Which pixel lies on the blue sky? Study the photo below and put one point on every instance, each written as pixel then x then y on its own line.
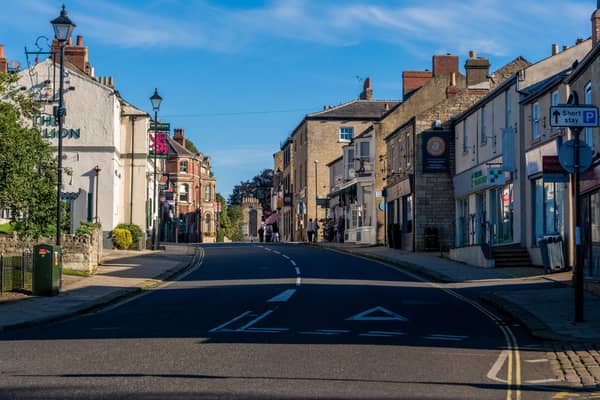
pixel 238 76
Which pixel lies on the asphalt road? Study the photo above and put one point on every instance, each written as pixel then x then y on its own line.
pixel 279 321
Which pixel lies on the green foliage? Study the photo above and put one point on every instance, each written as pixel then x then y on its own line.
pixel 237 218
pixel 28 172
pixel 7 228
pixel 225 227
pixel 122 238
pixel 136 231
pixel 86 228
pixel 259 187
pixel 69 271
pixel 191 146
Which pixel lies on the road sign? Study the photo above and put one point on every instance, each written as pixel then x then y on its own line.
pixel 566 115
pixel 566 156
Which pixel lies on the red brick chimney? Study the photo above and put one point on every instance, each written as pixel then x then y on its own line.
pixel 413 80
pixel 445 64
pixel 367 93
pixel 179 136
pixel 596 24
pixel 3 60
pixel 76 55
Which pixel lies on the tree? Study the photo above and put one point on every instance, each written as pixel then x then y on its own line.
pixel 225 226
pixel 259 187
pixel 191 146
pixel 237 218
pixel 27 165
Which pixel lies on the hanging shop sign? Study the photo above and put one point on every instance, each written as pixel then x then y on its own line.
pixel 435 151
pixel 160 143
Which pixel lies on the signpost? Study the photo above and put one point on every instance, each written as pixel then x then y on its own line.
pixel 576 117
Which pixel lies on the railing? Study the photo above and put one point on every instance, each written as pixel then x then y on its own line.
pixel 16 272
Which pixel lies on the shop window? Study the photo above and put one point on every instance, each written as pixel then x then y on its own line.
pixel 407 214
pixel 463 222
pixel 548 207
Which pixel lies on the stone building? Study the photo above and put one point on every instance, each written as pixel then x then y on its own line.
pixel 317 140
pixel 252 215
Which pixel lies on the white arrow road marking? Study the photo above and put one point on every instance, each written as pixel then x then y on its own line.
pixel 446 337
pixel 265 330
pixel 389 315
pixel 230 321
pixel 493 374
pixel 325 332
pixel 255 320
pixel 297 271
pixel 283 297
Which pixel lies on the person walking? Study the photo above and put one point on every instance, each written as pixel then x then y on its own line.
pixel 311 229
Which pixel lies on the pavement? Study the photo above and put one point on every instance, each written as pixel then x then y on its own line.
pixel 122 273
pixel 542 303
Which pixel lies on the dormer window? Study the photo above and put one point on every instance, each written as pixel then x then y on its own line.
pixel 346 133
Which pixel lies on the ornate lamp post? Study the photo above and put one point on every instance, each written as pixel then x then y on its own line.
pixel 63 27
pixel 155 100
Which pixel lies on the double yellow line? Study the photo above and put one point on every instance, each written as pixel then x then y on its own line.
pixel 513 376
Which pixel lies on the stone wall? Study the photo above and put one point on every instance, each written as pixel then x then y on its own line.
pixel 80 252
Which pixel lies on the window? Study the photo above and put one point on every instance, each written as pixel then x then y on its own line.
pixel 346 133
pixel 588 100
pixel 508 100
pixel 548 207
pixel 399 158
pixel 535 120
pixel 364 151
pixel 392 159
pixel 207 223
pixel 407 151
pixel 463 222
pixel 349 161
pixel 464 133
pixel 407 214
pixel 483 125
pixel 207 194
pixel 183 167
pixel 184 192
pixel 555 98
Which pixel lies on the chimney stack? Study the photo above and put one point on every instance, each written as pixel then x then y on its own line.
pixel 554 49
pixel 367 93
pixel 3 60
pixel 477 69
pixel 446 64
pixel 413 80
pixel 596 25
pixel 179 136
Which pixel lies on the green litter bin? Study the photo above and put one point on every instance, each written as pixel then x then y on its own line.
pixel 47 270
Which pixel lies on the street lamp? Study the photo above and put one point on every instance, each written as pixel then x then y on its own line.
pixel 316 196
pixel 63 27
pixel 155 100
pixel 97 170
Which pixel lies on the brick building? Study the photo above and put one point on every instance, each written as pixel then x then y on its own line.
pixel 190 196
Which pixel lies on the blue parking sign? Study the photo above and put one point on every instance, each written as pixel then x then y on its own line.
pixel 590 117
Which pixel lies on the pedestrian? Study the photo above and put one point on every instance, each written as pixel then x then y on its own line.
pixel 261 230
pixel 310 230
pixel 331 230
pixel 340 229
pixel 275 227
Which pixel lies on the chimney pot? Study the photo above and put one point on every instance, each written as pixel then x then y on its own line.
pixel 1 51
pixel 79 40
pixel 453 79
pixel 69 41
pixel 554 49
pixel 471 53
pixel 565 47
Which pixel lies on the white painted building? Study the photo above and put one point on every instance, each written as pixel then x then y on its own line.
pixel 107 172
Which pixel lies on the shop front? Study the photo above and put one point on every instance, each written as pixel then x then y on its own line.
pixel 590 217
pixel 400 214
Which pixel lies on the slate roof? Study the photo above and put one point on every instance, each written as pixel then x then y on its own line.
pixel 177 149
pixel 356 110
pixel 535 90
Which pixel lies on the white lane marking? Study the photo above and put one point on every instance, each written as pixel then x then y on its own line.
pixel 283 296
pixel 317 333
pixel 387 333
pixel 493 374
pixel 373 335
pixel 297 271
pixel 108 328
pixel 268 249
pixel 266 330
pixel 334 330
pixel 539 360
pixel 276 252
pixel 293 262
pixel 539 381
pixel 389 315
pixel 285 256
pixel 230 321
pixel 446 337
pixel 255 320
pixel 298 281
